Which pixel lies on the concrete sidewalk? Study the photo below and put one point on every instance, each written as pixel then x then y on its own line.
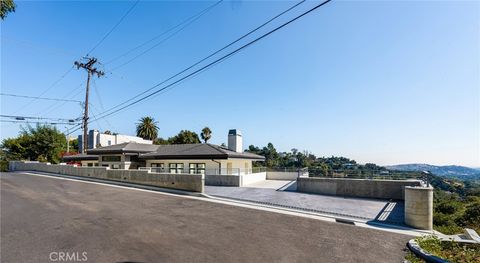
pixel 358 209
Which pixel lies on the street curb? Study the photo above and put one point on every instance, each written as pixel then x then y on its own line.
pixel 418 251
pixel 111 182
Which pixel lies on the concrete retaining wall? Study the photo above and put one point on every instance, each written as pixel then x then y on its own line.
pixel 384 189
pixel 188 182
pixel 419 207
pixel 282 175
pixel 252 178
pixel 222 180
pixel 234 180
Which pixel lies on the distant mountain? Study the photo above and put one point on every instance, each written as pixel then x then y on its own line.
pixel 452 171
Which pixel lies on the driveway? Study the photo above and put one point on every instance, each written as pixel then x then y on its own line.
pixel 42 215
pixel 283 194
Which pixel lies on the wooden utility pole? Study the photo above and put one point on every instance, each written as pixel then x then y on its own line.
pixel 88 66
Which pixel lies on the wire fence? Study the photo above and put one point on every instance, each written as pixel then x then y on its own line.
pixel 366 174
pixel 219 171
pixel 301 172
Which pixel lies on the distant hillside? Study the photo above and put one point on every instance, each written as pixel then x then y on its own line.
pixel 452 171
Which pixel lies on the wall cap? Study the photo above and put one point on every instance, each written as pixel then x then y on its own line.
pixel 420 188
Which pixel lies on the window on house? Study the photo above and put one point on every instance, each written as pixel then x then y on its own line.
pixel 197 168
pixel 158 167
pixel 110 158
pixel 175 168
pixel 109 142
pixel 89 164
pixel 115 166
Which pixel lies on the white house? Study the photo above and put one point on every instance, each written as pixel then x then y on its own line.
pixel 97 139
pixel 202 158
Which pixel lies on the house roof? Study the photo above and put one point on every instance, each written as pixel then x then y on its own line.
pixel 197 151
pixel 79 157
pixel 127 147
pixel 175 151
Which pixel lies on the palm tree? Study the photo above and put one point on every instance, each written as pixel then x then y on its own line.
pixel 147 128
pixel 206 134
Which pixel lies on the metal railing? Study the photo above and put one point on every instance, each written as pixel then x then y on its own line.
pixel 301 172
pixel 359 174
pixel 222 171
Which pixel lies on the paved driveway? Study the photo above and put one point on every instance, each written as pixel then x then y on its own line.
pixel 42 215
pixel 282 193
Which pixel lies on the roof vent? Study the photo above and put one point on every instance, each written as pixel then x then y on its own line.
pixel 235 142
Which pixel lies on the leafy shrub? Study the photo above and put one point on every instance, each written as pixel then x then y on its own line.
pixel 471 217
pixel 441 219
pixel 449 250
pixel 3 166
pixel 448 207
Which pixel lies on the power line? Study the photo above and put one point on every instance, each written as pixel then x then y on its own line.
pixel 40 122
pixel 113 28
pixel 218 60
pixel 94 116
pixel 99 98
pixel 52 108
pixel 185 24
pixel 163 33
pixel 21 118
pixel 46 48
pixel 46 90
pixel 211 55
pixel 38 98
pixel 105 120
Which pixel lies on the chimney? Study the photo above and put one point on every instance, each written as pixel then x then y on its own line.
pixel 235 142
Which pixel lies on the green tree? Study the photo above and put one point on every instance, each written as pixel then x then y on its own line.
pixel 271 155
pixel 471 217
pixel 74 145
pixel 147 128
pixel 15 148
pixel 6 6
pixel 161 141
pixel 206 134
pixel 184 137
pixel 42 143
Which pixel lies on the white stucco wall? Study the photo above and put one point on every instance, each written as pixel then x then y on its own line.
pixel 123 164
pixel 92 162
pixel 252 178
pixel 103 139
pixel 237 165
pixel 209 164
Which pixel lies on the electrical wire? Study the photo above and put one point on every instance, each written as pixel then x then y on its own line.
pixel 52 108
pixel 209 56
pixel 113 28
pixel 45 91
pixel 39 122
pixel 168 37
pixel 218 60
pixel 199 14
pixel 38 98
pixel 21 118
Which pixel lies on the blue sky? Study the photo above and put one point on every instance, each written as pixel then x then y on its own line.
pixel 377 81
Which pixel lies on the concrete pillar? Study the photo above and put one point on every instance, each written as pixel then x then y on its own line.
pixel 419 207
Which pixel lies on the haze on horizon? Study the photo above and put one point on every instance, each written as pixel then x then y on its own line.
pixel 380 82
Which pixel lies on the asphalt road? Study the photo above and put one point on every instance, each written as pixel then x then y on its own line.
pixel 44 217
